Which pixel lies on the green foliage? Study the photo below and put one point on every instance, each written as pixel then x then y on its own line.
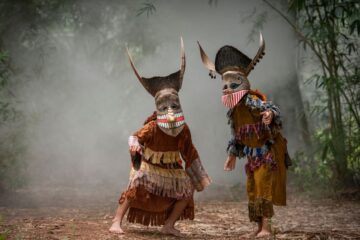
pixel 331 30
pixel 148 8
pixel 258 24
pixel 5 232
pixel 11 164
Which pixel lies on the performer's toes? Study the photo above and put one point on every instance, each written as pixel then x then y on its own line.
pixel 263 233
pixel 171 230
pixel 116 228
pixel 254 233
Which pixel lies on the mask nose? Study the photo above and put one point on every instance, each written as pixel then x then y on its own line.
pixel 226 89
pixel 170 115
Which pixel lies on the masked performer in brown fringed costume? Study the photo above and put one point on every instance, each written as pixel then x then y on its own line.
pixel 160 190
pixel 255 125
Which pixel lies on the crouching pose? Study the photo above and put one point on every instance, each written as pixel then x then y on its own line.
pixel 160 190
pixel 255 125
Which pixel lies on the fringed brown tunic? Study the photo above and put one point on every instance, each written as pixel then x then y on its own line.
pixel 161 179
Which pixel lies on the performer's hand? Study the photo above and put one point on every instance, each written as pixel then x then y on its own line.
pixel 134 149
pixel 199 188
pixel 230 163
pixel 267 116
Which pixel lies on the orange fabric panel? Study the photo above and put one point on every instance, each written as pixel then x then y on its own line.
pixel 243 115
pixel 151 136
pixel 279 149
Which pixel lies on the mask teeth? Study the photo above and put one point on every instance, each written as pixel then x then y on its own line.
pixel 171 125
pixel 163 116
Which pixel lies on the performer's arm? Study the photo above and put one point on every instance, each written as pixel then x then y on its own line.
pixel 234 148
pixel 193 165
pixel 140 137
pixel 271 114
pixel 276 119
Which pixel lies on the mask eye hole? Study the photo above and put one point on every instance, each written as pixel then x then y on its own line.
pixel 174 106
pixel 225 87
pixel 234 85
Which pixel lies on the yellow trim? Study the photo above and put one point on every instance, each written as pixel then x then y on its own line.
pixel 166 157
pixel 163 172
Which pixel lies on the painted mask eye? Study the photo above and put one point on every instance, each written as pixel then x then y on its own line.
pixel 234 85
pixel 174 106
pixel 163 108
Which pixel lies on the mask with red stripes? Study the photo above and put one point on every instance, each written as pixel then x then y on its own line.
pixel 230 100
pixel 163 120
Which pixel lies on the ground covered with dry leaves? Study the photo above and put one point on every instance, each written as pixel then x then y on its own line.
pixel 55 218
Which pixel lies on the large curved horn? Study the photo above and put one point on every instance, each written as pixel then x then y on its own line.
pixel 183 61
pixel 135 71
pixel 259 55
pixel 207 62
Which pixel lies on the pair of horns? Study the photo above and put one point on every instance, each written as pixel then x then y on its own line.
pixel 211 66
pixel 181 72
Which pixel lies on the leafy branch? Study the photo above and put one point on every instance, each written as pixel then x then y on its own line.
pixel 148 8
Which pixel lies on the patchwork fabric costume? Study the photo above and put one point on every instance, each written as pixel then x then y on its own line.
pixel 263 145
pixel 158 177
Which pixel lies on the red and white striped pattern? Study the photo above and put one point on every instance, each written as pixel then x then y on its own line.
pixel 230 100
pixel 162 120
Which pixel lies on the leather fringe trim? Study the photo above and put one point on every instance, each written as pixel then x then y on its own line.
pixel 173 183
pixel 163 172
pixel 146 218
pixel 198 175
pixel 166 157
pixel 259 209
pixel 250 130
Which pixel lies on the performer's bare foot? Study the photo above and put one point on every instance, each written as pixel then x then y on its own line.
pixel 263 233
pixel 255 233
pixel 166 229
pixel 265 228
pixel 116 227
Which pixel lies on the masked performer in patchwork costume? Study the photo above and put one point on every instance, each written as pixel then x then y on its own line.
pixel 255 125
pixel 160 190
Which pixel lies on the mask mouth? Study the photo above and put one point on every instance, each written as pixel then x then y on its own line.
pixel 228 91
pixel 172 120
pixel 232 99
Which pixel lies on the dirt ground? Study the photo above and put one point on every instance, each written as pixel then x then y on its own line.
pixel 303 218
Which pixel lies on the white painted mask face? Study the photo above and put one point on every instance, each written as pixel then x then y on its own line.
pixel 170 117
pixel 235 87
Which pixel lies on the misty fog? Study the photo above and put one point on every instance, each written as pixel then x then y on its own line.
pixel 81 100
